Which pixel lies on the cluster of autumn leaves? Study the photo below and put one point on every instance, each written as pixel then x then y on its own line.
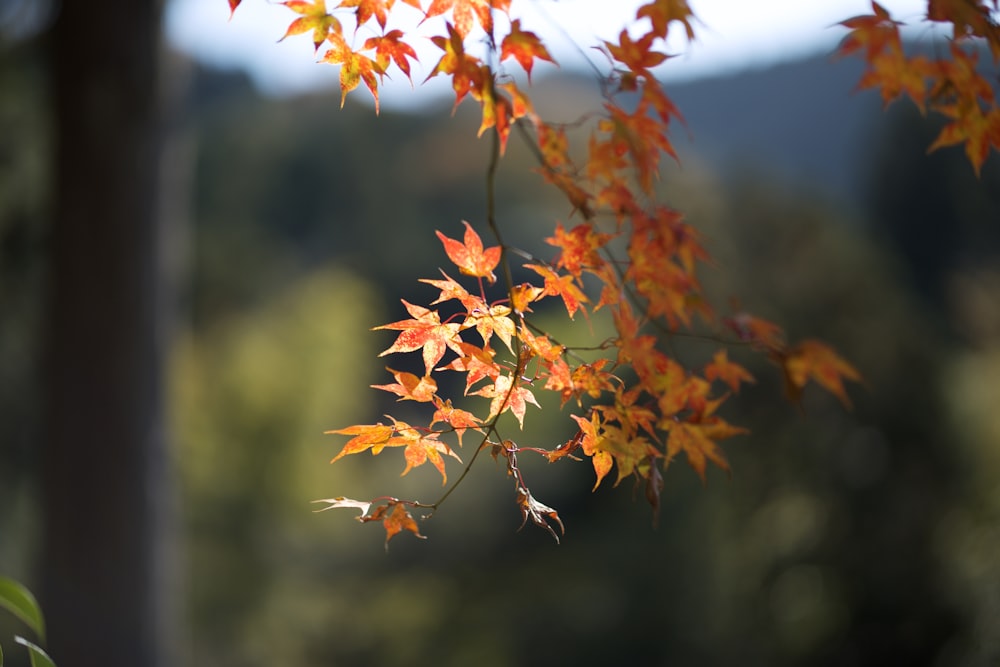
pixel 637 407
pixel 951 84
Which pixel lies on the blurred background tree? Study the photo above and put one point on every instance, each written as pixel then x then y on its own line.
pixel 842 539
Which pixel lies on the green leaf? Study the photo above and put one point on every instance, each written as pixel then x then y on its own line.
pixel 39 658
pixel 1 656
pixel 20 602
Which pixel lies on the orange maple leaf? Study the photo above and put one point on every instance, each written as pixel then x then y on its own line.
pixel 469 256
pixel 314 17
pixel 391 48
pixel 642 137
pixel 579 247
pixel 590 441
pixel 424 332
pixel 524 46
pixel 409 387
pixel 497 110
pixel 476 362
pixel 698 441
pixel 814 360
pixel 662 13
pixel 354 68
pixel 464 10
pixel 872 33
pixel 637 56
pixel 458 419
pixel 508 396
pixel 562 286
pixel 978 130
pixel 732 374
pixel 395 520
pixel 756 331
pixel 969 18
pixel 451 289
pixel 420 448
pixel 366 436
pixel 463 68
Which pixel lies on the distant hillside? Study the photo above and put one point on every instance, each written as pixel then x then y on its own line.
pixel 799 120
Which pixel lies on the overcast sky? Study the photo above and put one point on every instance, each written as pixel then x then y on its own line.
pixel 733 34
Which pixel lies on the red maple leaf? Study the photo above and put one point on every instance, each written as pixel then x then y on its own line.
pixel 391 48
pixel 469 256
pixel 424 332
pixel 563 286
pixel 524 46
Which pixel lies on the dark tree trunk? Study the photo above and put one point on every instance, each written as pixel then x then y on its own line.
pixel 104 464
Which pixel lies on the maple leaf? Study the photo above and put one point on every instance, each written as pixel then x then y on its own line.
pixel 366 436
pixel 477 362
pixel 590 441
pixel 628 412
pixel 354 68
pixel 458 419
pixel 493 321
pixel 628 450
pixel 637 56
pixel 410 387
pixel 756 331
pixel 520 103
pixel 463 68
pixel 420 448
pixel 496 108
pixel 894 74
pixel 341 501
pixel 452 289
pixel 377 8
pixel 507 395
pixel 969 18
pixel 314 17
pixel 541 346
pixel 391 48
pixel 697 441
pixel 424 332
pixel 579 247
pixel 233 4
pixel 814 360
pixel 980 132
pixel 872 33
pixel 642 137
pixel 590 379
pixel 720 368
pixel 524 46
pixel 540 514
pixel 395 519
pixel 662 12
pixel 465 10
pixel 523 294
pixel 563 286
pixel 470 257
